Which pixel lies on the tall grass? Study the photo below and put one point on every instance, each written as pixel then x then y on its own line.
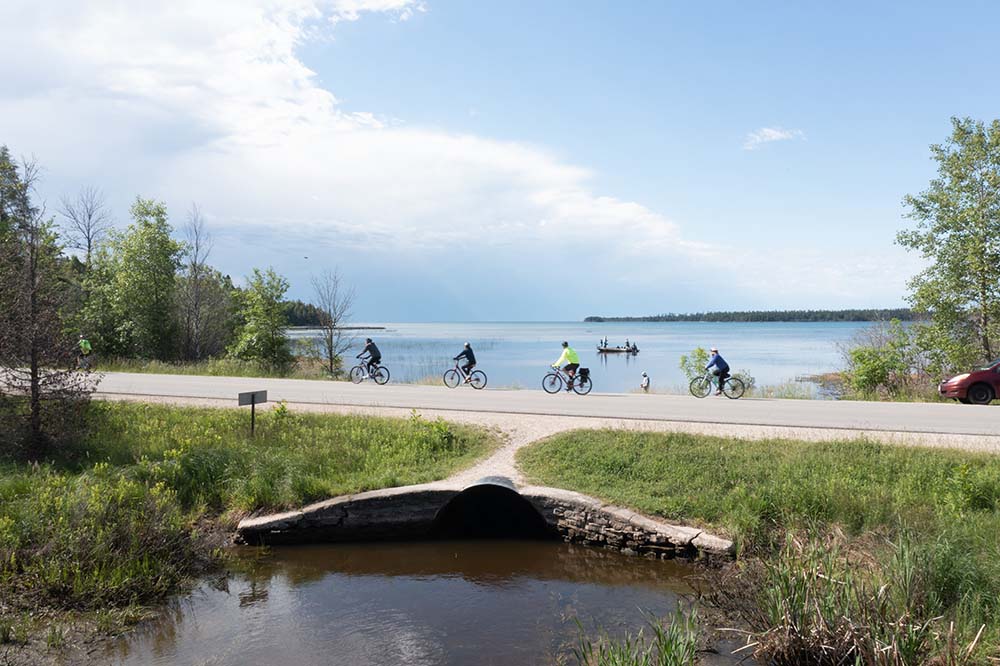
pixel 670 643
pixel 918 551
pixel 303 368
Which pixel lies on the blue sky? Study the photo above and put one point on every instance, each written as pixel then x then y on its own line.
pixel 534 160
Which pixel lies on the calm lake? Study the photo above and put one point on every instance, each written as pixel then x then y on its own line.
pixel 513 603
pixel 518 354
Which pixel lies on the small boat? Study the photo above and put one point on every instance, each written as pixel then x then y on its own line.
pixel 618 350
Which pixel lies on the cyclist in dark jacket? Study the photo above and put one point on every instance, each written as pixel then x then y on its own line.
pixel 721 368
pixel 470 360
pixel 374 355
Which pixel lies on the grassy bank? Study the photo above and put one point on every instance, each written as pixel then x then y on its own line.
pixel 303 368
pixel 841 541
pixel 124 518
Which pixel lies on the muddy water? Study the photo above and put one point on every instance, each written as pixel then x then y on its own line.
pixel 460 602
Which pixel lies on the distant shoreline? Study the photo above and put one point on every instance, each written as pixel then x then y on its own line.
pixel 342 328
pixel 788 316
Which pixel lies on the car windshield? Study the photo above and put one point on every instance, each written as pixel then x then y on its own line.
pixel 993 364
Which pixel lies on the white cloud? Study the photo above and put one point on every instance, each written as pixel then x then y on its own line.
pixel 265 141
pixel 759 137
pixel 209 102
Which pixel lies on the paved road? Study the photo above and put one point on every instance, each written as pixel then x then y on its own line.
pixel 874 416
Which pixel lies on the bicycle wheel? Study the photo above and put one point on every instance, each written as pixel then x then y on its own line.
pixel 381 375
pixel 552 383
pixel 700 387
pixel 582 385
pixel 358 374
pixel 733 388
pixel 452 378
pixel 478 380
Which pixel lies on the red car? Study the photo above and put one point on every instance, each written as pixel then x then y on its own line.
pixel 974 388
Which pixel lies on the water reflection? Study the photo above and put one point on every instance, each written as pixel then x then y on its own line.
pixel 482 602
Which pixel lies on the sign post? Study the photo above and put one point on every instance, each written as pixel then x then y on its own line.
pixel 252 398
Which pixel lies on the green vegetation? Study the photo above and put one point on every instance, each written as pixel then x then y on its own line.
pixel 303 368
pixel 902 314
pixel 958 232
pixel 262 337
pixel 124 517
pixel 908 534
pixel 674 643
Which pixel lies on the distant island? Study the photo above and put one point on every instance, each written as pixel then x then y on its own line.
pixel 902 314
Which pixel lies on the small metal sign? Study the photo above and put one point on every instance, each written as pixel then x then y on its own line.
pixel 253 398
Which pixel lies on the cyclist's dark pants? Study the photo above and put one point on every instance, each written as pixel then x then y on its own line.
pixel 373 364
pixel 722 375
pixel 467 368
pixel 571 368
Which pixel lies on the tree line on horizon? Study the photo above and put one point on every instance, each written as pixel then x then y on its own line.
pixel 741 316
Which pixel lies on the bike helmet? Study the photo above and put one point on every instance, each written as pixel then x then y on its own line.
pixel 368 339
pixel 714 349
pixel 644 374
pixel 565 344
pixel 467 344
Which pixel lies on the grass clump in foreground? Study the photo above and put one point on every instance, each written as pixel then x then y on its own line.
pixel 848 549
pixel 668 643
pixel 122 518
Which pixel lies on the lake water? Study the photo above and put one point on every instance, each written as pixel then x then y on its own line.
pixel 518 354
pixel 449 602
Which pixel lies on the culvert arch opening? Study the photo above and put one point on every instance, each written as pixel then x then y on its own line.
pixel 490 510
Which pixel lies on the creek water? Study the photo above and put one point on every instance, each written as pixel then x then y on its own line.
pixel 445 602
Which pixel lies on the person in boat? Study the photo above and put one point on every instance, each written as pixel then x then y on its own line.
pixel 572 360
pixel 470 360
pixel 644 384
pixel 718 367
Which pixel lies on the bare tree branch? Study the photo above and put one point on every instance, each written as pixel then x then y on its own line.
pixel 334 301
pixel 199 243
pixel 87 219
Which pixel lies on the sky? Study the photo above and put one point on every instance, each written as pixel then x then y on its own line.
pixel 512 161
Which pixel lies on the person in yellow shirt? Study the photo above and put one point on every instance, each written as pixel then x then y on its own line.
pixel 572 363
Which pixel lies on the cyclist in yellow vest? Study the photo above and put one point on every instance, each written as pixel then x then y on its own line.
pixel 572 363
pixel 85 349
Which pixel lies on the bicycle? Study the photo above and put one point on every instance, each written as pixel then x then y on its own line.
pixel 733 388
pixel 359 373
pixel 554 381
pixel 453 377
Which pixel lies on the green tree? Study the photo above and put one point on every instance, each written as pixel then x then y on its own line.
pixel 262 337
pixel 133 286
pixel 958 232
pixel 41 392
pixel 883 360
pixel 11 193
pixel 693 364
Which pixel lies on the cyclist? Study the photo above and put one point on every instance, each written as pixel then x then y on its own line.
pixel 470 360
pixel 721 368
pixel 85 350
pixel 374 355
pixel 572 363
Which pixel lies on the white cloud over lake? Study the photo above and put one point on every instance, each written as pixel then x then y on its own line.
pixel 209 102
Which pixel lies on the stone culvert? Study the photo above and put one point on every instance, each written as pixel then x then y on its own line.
pixel 489 508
